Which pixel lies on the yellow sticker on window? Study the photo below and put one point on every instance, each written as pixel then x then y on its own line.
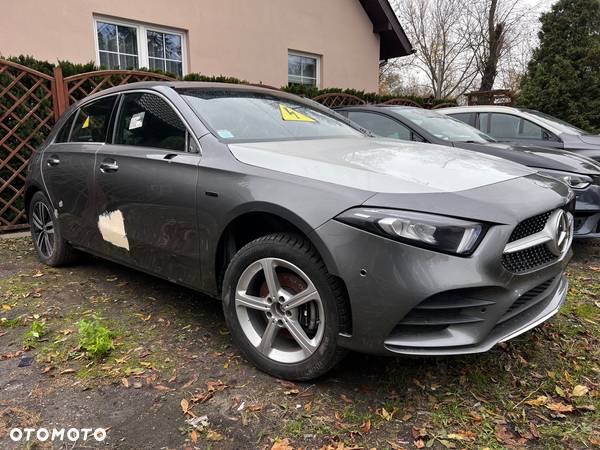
pixel 86 123
pixel 290 114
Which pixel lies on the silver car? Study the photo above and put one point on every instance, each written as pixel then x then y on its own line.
pixel 527 127
pixel 317 237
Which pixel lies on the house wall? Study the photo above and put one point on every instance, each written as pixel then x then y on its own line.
pixel 248 39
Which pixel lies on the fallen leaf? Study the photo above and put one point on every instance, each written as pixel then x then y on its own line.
pixel 559 407
pixel 190 382
pixel 346 399
pixel 6 307
pixel 541 400
pixel 185 405
pixel 386 415
pixel 560 391
pixel 282 445
pixel 214 436
pixel 366 427
pixel 38 274
pixel 125 382
pixel 291 392
pixel 504 435
pixel 447 444
pixel 419 443
pixel 579 391
pixel 534 431
pixel 47 369
pixel 194 436
pixel 67 371
pixel 162 388
pixel 216 386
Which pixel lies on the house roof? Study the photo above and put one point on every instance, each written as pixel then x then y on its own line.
pixel 393 39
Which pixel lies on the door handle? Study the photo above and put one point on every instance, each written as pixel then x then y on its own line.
pixel 53 161
pixel 170 156
pixel 108 166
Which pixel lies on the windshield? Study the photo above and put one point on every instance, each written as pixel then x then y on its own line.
pixel 443 127
pixel 561 125
pixel 253 116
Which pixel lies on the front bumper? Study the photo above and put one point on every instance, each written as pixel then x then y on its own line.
pixel 390 284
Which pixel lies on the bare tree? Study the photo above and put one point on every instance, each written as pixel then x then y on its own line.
pixel 440 33
pixel 499 27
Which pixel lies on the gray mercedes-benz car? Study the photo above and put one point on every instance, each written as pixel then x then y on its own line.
pixel 317 237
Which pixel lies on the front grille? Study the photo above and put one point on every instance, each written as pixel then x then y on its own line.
pixel 528 259
pixel 445 309
pixel 530 226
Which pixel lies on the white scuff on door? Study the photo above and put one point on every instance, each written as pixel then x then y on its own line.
pixel 112 228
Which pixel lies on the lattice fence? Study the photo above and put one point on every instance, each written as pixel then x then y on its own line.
pixel 79 86
pixel 30 103
pixel 27 114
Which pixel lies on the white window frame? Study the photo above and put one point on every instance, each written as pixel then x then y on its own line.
pixel 306 55
pixel 142 39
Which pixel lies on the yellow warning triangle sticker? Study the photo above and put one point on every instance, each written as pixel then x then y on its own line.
pixel 290 114
pixel 86 123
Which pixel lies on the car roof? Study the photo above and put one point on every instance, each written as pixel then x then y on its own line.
pixel 158 85
pixel 479 108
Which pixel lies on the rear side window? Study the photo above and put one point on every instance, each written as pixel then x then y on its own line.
pixel 468 118
pixel 63 134
pixel 92 121
pixel 508 126
pixel 146 120
pixel 380 125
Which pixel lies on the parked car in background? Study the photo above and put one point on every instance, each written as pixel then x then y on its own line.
pixel 415 124
pixel 527 126
pixel 317 237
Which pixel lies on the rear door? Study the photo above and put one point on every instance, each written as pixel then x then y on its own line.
pixel 68 169
pixel 511 128
pixel 146 189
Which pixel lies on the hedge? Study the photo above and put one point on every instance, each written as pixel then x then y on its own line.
pixel 70 69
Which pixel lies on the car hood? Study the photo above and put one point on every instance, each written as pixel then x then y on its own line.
pixel 539 157
pixel 380 165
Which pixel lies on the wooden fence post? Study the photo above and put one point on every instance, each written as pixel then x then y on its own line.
pixel 59 94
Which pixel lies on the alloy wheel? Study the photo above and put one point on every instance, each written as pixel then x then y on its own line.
pixel 280 310
pixel 43 229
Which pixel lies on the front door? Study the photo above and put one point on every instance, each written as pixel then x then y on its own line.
pixel 68 169
pixel 146 191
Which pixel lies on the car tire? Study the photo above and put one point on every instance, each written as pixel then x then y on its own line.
pixel 303 345
pixel 50 247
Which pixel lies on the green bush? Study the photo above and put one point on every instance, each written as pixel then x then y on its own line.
pixel 95 338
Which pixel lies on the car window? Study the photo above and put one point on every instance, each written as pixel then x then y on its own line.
pixel 63 134
pixel 468 118
pixel 505 126
pixel 380 125
pixel 238 116
pixel 146 120
pixel 92 120
pixel 441 126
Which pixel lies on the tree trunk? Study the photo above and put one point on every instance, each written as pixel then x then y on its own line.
pixel 495 43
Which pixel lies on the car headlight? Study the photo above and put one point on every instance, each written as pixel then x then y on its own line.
pixel 441 233
pixel 573 180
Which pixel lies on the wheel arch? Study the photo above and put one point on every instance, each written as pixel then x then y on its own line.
pixel 256 220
